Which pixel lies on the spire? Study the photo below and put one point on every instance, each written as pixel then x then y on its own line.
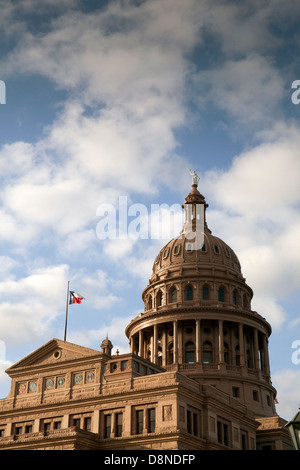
pixel 194 213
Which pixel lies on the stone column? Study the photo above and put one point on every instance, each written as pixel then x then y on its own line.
pixel 241 344
pixel 175 342
pixel 256 355
pixel 131 344
pixel 141 343
pixel 221 342
pixel 198 341
pixel 266 356
pixel 164 346
pixel 180 344
pixel 155 345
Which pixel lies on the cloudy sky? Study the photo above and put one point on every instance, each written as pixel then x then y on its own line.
pixel 117 100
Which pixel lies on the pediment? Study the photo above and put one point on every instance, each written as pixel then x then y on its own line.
pixel 53 352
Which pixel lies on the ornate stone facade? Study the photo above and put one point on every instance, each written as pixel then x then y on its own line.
pixel 197 375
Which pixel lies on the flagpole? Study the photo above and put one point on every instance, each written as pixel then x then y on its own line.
pixel 67 305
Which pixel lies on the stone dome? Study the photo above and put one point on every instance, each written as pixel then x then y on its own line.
pixel 197 317
pixel 214 252
pixel 212 267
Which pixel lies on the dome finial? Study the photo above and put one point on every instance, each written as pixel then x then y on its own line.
pixel 196 178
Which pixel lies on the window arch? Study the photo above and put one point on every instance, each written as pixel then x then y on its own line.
pixel 221 294
pixel 189 352
pixel 237 355
pixel 205 292
pixel 159 298
pixel 170 355
pixel 173 294
pixel 189 293
pixel 207 352
pixel 226 353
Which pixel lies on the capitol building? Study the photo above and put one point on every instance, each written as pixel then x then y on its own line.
pixel 196 376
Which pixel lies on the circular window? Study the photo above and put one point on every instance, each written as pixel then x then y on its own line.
pixel 57 354
pixel 189 330
pixel 32 386
pixel 89 376
pixel 207 330
pixel 60 381
pixel 78 378
pixel 49 383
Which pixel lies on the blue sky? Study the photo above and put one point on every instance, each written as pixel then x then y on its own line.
pixel 122 98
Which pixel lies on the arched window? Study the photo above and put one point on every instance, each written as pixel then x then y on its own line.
pixel 150 302
pixel 237 355
pixel 226 353
pixel 159 356
pixel 207 352
pixel 189 293
pixel 170 356
pixel 159 298
pixel 173 294
pixel 189 352
pixel 205 292
pixel 245 301
pixel 234 297
pixel 221 294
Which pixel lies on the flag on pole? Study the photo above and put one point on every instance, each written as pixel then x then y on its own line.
pixel 72 298
pixel 75 298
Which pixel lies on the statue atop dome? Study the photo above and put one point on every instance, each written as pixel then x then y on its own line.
pixel 196 178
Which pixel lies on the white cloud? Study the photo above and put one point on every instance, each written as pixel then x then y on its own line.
pixel 30 304
pixel 256 202
pixel 287 383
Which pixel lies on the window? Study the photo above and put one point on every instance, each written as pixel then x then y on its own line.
pixel 203 247
pixel 221 294
pixel 205 293
pixel 234 297
pixel 189 352
pixel 1 432
pixel 28 428
pixel 189 293
pixel 139 421
pixel 255 395
pixel 159 298
pixel 151 418
pixel 19 430
pixel 47 426
pixel 173 294
pixel 119 424
pixel 176 250
pixel 237 355
pixel 192 422
pixel 223 432
pixel 217 250
pixel 107 426
pixel 207 352
pixel 76 422
pixel 235 392
pixel 226 353
pixel 57 424
pixel 87 424
pixel 189 421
